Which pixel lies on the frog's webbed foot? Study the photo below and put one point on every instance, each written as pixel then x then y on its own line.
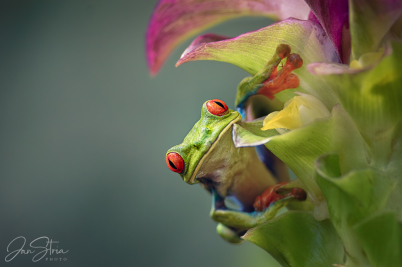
pixel 269 81
pixel 250 85
pixel 283 79
pixel 275 193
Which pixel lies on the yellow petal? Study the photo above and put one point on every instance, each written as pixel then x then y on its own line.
pixel 311 108
pixel 287 118
pixel 299 111
pixel 270 116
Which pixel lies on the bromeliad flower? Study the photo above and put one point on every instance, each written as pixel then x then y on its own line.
pixel 343 130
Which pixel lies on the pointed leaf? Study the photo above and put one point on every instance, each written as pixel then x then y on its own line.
pixel 173 22
pixel 252 50
pixel 297 239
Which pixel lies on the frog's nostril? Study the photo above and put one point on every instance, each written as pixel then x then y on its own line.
pixel 217 107
pixel 175 162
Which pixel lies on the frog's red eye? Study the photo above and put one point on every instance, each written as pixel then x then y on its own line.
pixel 175 162
pixel 217 107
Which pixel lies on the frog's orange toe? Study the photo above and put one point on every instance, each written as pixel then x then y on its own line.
pixel 267 197
pixel 282 79
pixel 295 60
pixel 270 195
pixel 299 194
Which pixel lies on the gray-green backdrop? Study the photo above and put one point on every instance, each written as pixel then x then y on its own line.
pixel 84 131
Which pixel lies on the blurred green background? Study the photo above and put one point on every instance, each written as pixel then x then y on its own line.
pixel 84 131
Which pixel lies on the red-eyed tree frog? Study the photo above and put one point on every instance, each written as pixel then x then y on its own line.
pixel 208 156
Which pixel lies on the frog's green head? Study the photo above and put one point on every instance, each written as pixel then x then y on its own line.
pixel 187 158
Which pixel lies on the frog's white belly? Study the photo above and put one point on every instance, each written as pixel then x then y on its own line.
pixel 236 172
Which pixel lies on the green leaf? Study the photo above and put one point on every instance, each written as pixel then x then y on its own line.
pixel 251 51
pixel 249 133
pixel 352 197
pixel 381 238
pixel 297 239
